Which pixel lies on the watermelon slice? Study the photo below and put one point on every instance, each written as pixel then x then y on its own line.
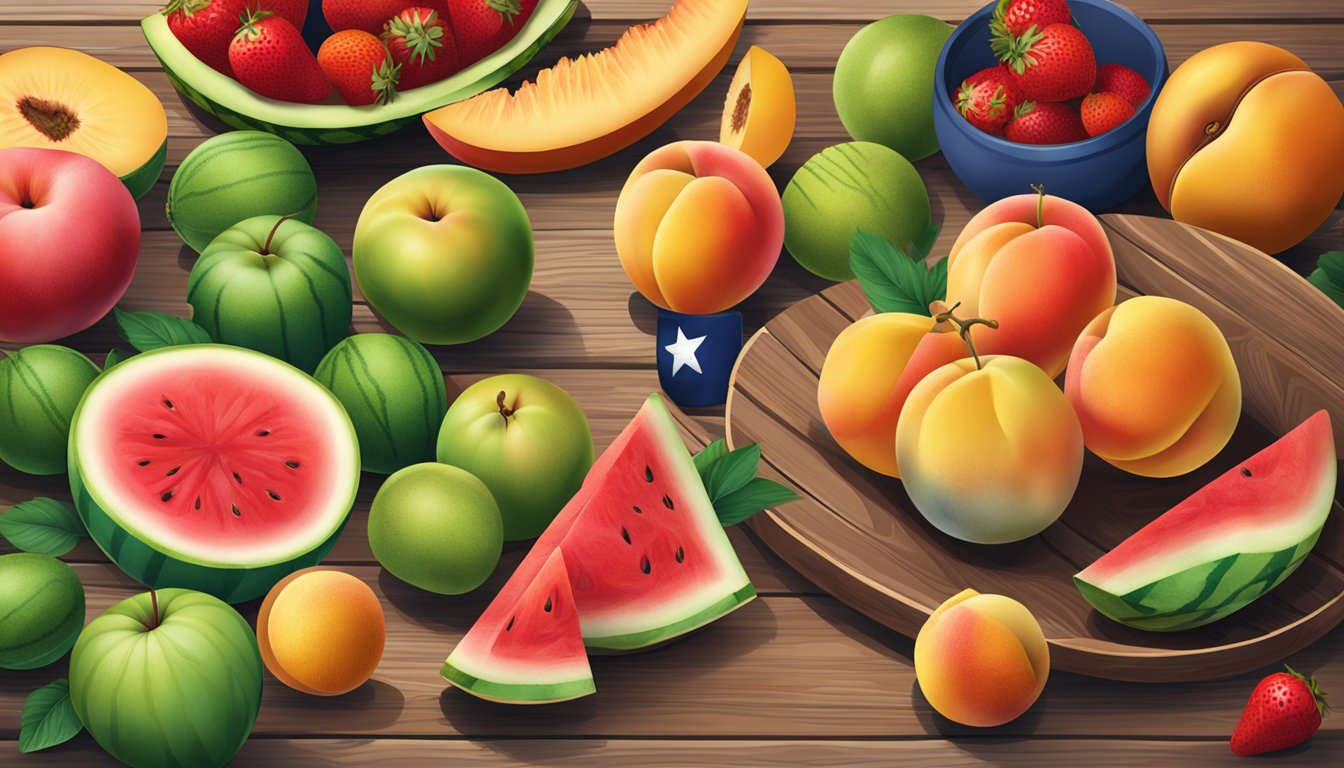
pixel 646 556
pixel 532 651
pixel 1231 542
pixel 212 468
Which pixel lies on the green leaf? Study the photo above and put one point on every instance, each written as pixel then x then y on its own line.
pixel 921 248
pixel 708 457
pixel 43 525
pixel 1332 263
pixel 115 357
pixel 151 330
pixel 48 718
pixel 892 281
pixel 1329 287
pixel 733 471
pixel 758 494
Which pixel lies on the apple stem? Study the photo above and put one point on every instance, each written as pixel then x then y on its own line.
pixel 266 248
pixel 1039 189
pixel 504 410
pixel 154 609
pixel 964 329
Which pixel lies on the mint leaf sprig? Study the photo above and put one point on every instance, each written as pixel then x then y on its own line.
pixel 730 480
pixel 898 279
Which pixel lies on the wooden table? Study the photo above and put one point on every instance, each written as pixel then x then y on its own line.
pixel 794 678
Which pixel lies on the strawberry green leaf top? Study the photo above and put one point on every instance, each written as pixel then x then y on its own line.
pixel 730 481
pixel 893 280
pixel 421 35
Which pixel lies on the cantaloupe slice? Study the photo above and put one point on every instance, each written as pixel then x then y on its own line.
pixel 57 98
pixel 585 109
pixel 761 111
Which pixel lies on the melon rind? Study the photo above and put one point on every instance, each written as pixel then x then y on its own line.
pixel 233 103
pixel 563 688
pixel 157 566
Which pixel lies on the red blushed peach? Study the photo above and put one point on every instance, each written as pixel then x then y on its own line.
pixel 1041 267
pixel 699 226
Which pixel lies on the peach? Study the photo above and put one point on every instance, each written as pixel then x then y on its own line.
pixel 699 226
pixel 1247 141
pixel 869 372
pixel 1038 264
pixel 981 660
pixel 1154 386
pixel 990 451
pixel 321 631
pixel 761 111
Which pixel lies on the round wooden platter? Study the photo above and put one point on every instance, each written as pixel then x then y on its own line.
pixel 856 534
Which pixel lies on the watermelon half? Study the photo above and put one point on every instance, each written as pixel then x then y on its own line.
pixel 646 556
pixel 212 468
pixel 1231 542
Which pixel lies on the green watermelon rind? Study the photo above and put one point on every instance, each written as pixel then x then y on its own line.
pixel 142 179
pixel 512 693
pixel 157 567
pixel 653 638
pixel 231 102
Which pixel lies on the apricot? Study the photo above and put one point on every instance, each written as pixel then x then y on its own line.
pixel 981 660
pixel 699 226
pixel 991 454
pixel 321 631
pixel 867 376
pixel 1247 141
pixel 761 111
pixel 1154 386
pixel 1039 265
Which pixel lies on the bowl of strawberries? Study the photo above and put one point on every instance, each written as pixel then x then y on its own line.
pixel 1049 92
pixel 343 71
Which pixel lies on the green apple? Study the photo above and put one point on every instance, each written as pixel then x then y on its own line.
pixel 883 85
pixel 436 527
pixel 275 285
pixel 444 253
pixel 168 678
pixel 527 440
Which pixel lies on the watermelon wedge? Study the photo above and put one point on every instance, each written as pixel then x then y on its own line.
pixel 1231 542
pixel 532 651
pixel 645 553
pixel 212 468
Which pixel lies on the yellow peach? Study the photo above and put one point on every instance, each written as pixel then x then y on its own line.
pixel 981 660
pixel 321 631
pixel 1155 387
pixel 760 113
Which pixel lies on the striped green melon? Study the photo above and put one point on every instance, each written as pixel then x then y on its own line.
pixel 393 390
pixel 275 285
pixel 213 468
pixel 235 176
pixel 333 123
pixel 1231 542
pixel 39 389
pixel 41 610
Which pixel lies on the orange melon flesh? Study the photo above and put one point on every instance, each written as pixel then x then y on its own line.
pixel 584 109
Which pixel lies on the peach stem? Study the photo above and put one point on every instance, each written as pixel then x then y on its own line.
pixel 964 329
pixel 1039 189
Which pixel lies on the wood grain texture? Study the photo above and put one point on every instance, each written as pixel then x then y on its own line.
pixel 857 535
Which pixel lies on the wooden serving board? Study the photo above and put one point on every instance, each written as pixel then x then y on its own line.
pixel 856 534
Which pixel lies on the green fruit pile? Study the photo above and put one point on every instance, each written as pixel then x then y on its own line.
pixel 41 610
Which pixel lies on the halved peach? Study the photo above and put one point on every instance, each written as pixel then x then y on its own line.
pixel 761 111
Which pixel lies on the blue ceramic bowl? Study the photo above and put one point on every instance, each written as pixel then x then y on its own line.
pixel 1099 173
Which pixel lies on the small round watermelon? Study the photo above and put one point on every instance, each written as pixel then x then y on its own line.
pixel 235 176
pixel 42 385
pixel 393 390
pixel 41 610
pixel 212 468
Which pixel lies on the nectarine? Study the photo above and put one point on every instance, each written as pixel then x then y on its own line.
pixel 321 631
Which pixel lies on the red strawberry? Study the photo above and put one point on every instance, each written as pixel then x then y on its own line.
pixel 205 27
pixel 359 66
pixel 482 26
pixel 1052 64
pixel 1284 710
pixel 987 99
pixel 293 11
pixel 269 56
pixel 368 15
pixel 422 45
pixel 1103 111
pixel 1014 17
pixel 1044 123
pixel 1117 78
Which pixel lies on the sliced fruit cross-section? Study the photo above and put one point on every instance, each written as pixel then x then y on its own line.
pixel 761 111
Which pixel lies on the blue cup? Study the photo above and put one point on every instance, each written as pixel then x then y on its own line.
pixel 696 354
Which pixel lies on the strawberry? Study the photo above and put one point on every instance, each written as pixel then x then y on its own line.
pixel 1117 78
pixel 269 56
pixel 1044 123
pixel 1103 111
pixel 1284 710
pixel 987 99
pixel 422 45
pixel 482 26
pixel 1051 64
pixel 359 66
pixel 293 11
pixel 205 28
pixel 368 15
pixel 1015 17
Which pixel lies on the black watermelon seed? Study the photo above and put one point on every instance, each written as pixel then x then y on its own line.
pixel 236 511
pixel 667 502
pixel 292 464
pixel 625 534
pixel 681 555
pixel 264 433
pixel 173 471
pixel 168 403
pixel 509 626
pixel 237 478
pixel 274 496
pixel 648 474
pixel 638 511
pixel 167 496
pixel 547 606
pixel 1245 471
pixel 198 502
pixel 645 565
pixel 144 462
pixel 157 436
